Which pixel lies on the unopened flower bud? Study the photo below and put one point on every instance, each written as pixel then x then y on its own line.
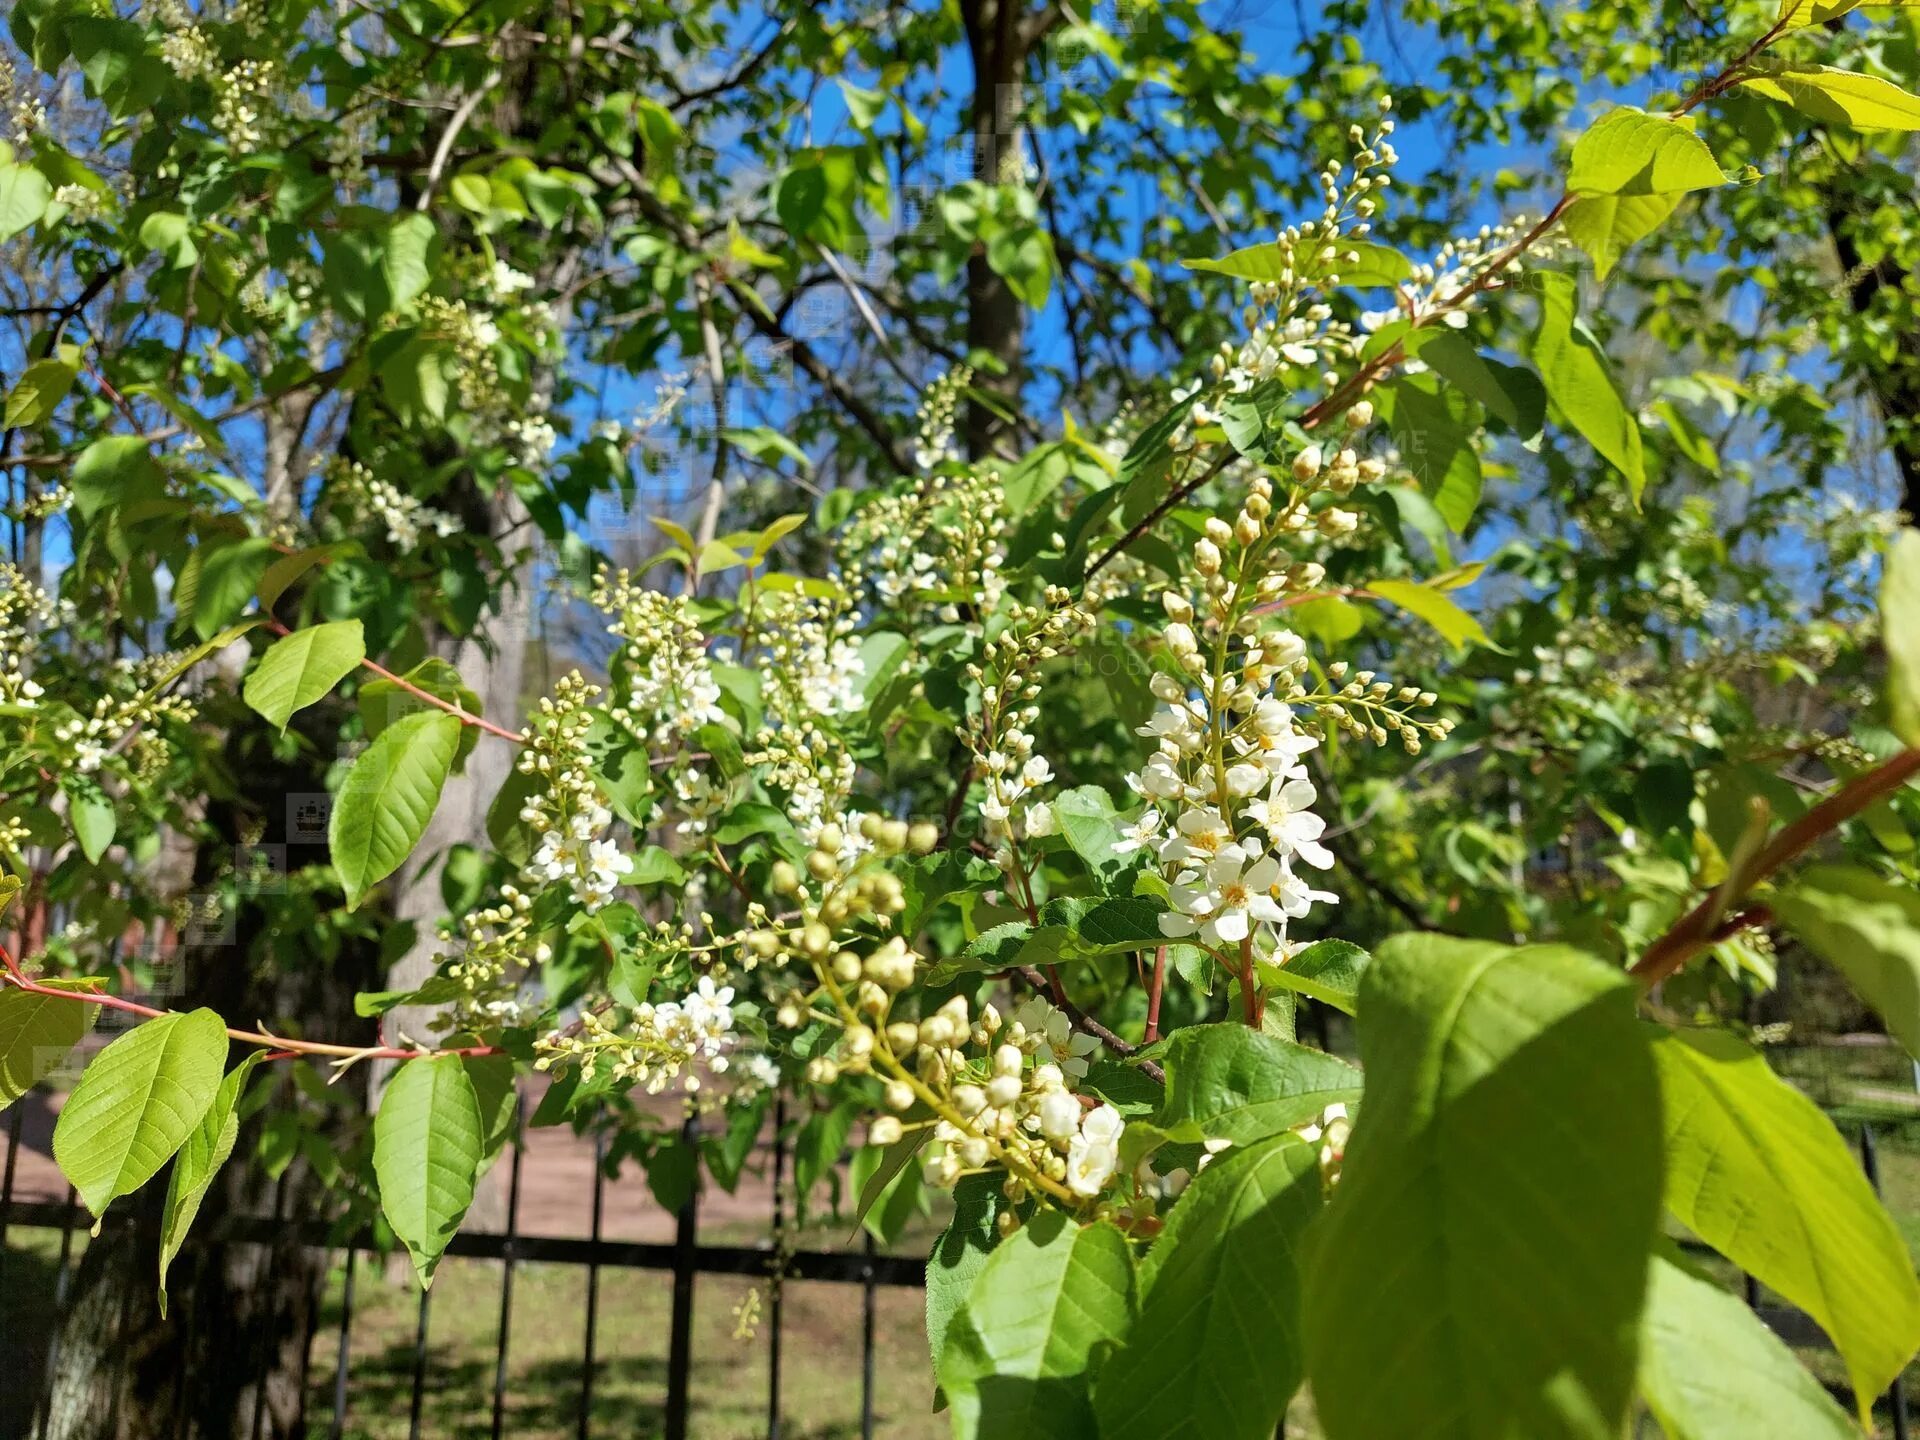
pixel 885 1130
pixel 1306 465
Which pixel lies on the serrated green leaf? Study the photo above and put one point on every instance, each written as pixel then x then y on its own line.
pixel 38 392
pixel 1216 1351
pixel 90 811
pixel 427 1144
pixel 1014 1366
pixel 1840 97
pixel 1227 1082
pixel 1756 1171
pixel 1710 1369
pixel 37 1032
pixel 960 1254
pixel 388 797
pixel 1606 226
pixel 1512 393
pixel 1629 152
pixel 199 1160
pixel 1580 382
pixel 1328 971
pixel 229 574
pixel 1497 1206
pixel 303 667
pixel 139 1099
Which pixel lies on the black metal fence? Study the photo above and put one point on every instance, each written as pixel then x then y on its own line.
pixel 684 1259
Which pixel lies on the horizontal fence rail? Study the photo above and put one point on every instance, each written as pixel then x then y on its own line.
pixel 684 1259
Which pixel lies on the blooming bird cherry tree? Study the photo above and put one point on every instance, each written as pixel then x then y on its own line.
pixel 855 831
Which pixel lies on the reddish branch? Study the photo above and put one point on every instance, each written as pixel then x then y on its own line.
pixel 1709 922
pixel 279 1047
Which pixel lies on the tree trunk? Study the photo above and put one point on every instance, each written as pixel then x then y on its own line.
pixel 229 1360
pixel 1894 381
pixel 999 36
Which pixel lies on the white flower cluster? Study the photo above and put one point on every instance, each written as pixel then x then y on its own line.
pixel 25 610
pixel 249 99
pixel 937 546
pixel 934 442
pixel 94 737
pixel 24 111
pixel 367 497
pixel 1011 806
pixel 671 690
pixel 1015 1105
pixel 656 1043
pixel 1441 288
pixel 810 664
pixel 570 818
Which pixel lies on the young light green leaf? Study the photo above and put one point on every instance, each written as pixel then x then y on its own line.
pixel 1606 226
pixel 1226 1082
pixel 37 1032
pixel 135 1104
pixel 199 1160
pixel 1579 381
pixel 1840 97
pixel 1711 1370
pixel 388 797
pixel 1870 929
pixel 24 193
pixel 1756 1171
pixel 1014 1366
pixel 303 667
pixel 427 1143
pixel 1629 152
pixel 1496 1208
pixel 38 392
pixel 1425 602
pixel 1900 634
pixel 1216 1351
pixel 1328 971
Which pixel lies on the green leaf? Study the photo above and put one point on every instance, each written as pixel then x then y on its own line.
pixel 960 1254
pixel 427 1143
pixel 1629 152
pixel 1900 634
pixel 91 813
pixel 1870 929
pixel 37 1032
pixel 1756 1171
pixel 1328 971
pixel 303 667
pixel 1579 381
pixel 381 702
pixel 24 193
pixel 1086 818
pixel 1840 97
pixel 1710 1369
pixel 1511 393
pixel 228 577
pixel 1227 1082
pixel 199 1160
pixel 1497 1204
pixel 388 797
pixel 1015 1361
pixel 1433 428
pixel 114 470
pixel 1216 1352
pixel 38 392
pixel 1429 603
pixel 1605 226
pixel 135 1104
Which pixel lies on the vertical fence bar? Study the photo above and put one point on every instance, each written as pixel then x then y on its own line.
pixel 869 1305
pixel 419 1368
pixel 6 1184
pixel 1870 1162
pixel 506 1276
pixel 265 1338
pixel 680 1341
pixel 593 1285
pixel 777 1281
pixel 340 1362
